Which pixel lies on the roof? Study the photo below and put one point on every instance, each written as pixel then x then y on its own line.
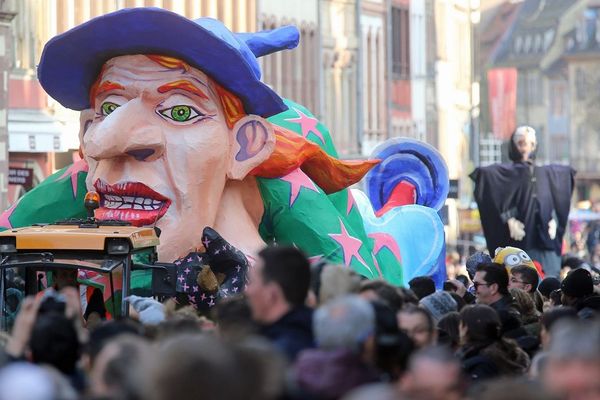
pixel 496 25
pixel 72 237
pixel 533 33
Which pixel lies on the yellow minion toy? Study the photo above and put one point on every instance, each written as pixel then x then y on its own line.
pixel 512 256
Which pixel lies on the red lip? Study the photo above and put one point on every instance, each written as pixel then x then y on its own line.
pixel 133 202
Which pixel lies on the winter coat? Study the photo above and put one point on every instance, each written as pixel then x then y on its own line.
pixel 292 333
pixel 502 357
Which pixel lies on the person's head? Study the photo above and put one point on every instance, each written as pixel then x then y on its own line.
pixel 380 290
pixel 118 372
pixel 573 365
pixel 104 334
pixel 519 389
pixel 393 347
pixel 448 330
pixel 64 277
pixel 547 286
pixel 523 277
pixel 347 323
pixel 194 366
pixel 422 286
pixel 491 282
pixel 479 323
pixel 438 304
pixel 578 284
pixel 434 374
pixel 475 260
pixel 336 281
pixel 234 318
pixel 160 121
pixel 523 144
pixel 418 324
pixel 550 318
pixel 525 304
pixel 278 282
pixel 54 341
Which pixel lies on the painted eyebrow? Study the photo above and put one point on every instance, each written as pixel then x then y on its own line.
pixel 107 86
pixel 182 85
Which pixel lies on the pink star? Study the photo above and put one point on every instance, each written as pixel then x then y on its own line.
pixel 298 180
pixel 350 203
pixel 195 288
pixel 307 124
pixel 203 297
pixel 350 246
pixel 181 278
pixel 4 218
pixel 189 259
pixel 186 270
pixel 206 242
pixel 73 172
pixel 185 287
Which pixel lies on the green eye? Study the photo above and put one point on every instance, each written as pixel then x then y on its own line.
pixel 108 107
pixel 180 113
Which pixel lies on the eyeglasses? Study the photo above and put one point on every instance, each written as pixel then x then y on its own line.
pixel 477 284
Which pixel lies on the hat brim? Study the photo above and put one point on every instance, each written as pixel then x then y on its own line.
pixel 71 62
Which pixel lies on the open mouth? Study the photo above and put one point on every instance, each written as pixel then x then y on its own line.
pixel 133 202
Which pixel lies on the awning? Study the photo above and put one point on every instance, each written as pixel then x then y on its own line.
pixel 34 131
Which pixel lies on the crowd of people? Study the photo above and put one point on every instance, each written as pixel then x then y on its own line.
pixel 320 331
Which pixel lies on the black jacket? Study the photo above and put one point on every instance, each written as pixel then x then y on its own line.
pixel 292 333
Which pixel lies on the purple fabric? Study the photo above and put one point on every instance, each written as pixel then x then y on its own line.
pixel 331 374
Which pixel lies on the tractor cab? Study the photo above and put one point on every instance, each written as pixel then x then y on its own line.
pixel 99 257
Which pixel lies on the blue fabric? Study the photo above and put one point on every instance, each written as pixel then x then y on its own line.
pixel 408 160
pixel 71 62
pixel 418 231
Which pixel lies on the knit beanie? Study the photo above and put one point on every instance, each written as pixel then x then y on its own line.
pixel 474 260
pixel 578 283
pixel 438 304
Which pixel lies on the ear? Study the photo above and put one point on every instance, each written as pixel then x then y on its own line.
pixel 494 288
pixel 253 142
pixel 86 117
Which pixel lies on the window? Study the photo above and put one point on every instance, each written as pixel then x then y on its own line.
pixel 400 42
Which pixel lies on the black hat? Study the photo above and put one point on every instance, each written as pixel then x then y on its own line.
pixel 578 283
pixel 548 285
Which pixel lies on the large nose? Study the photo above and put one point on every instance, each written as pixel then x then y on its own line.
pixel 126 132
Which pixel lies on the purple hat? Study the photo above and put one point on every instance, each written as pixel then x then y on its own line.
pixel 71 62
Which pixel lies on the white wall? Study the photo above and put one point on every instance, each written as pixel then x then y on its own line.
pixel 418 67
pixel 299 10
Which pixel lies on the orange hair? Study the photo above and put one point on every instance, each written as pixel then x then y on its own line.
pixel 291 151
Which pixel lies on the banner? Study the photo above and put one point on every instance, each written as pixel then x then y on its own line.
pixel 502 84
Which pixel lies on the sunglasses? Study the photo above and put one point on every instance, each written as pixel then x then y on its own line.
pixel 477 284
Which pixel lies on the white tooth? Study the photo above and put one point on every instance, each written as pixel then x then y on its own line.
pixel 147 201
pixel 128 199
pixel 138 207
pixel 125 206
pixel 156 203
